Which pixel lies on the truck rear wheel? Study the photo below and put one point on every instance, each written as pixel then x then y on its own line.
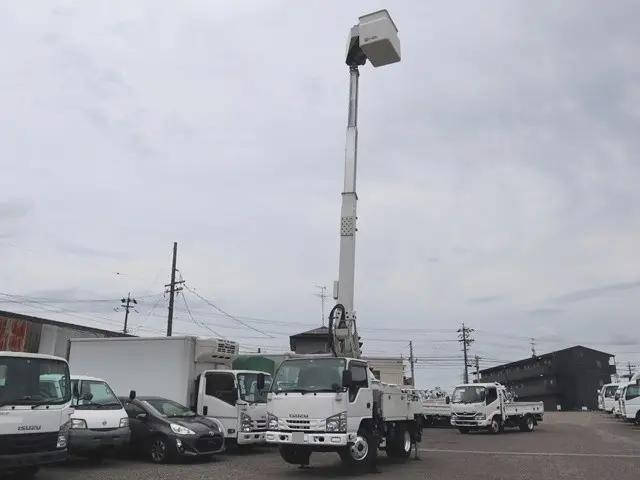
pixel 399 446
pixel 527 424
pixel 295 455
pixel 362 453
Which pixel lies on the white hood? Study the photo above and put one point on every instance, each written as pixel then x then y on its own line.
pixel 24 420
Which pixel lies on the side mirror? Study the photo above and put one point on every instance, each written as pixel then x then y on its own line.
pixel 260 381
pixel 132 395
pixel 347 378
pixel 76 393
pixel 234 394
pixel 447 400
pixel 141 416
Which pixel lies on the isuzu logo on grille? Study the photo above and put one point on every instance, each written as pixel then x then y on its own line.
pixel 298 415
pixel 28 428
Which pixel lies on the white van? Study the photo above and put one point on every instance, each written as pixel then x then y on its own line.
pixel 609 396
pixel 99 422
pixel 632 402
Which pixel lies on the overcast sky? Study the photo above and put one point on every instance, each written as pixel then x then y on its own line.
pixel 498 170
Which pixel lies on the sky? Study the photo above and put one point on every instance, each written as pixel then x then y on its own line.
pixel 498 172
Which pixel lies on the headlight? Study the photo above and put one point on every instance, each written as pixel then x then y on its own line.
pixel 124 422
pixel 246 424
pixel 77 423
pixel 337 423
pixel 272 421
pixel 180 430
pixel 480 416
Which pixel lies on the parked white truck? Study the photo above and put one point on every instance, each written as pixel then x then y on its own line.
pixel 608 396
pixel 335 404
pixel 486 406
pixel 34 413
pixel 632 401
pixel 436 409
pixel 191 371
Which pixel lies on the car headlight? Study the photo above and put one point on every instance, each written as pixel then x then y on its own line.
pixel 480 416
pixel 78 423
pixel 180 430
pixel 272 421
pixel 337 423
pixel 246 424
pixel 124 422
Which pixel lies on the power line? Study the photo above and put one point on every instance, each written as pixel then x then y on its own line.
pixel 202 324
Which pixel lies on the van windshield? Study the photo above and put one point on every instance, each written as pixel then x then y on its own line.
pixel 94 394
pixel 309 375
pixel 468 395
pixel 248 387
pixel 33 381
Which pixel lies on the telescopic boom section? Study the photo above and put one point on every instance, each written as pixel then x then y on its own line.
pixel 342 321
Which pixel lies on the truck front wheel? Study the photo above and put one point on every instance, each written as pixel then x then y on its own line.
pixel 361 454
pixel 496 425
pixel 527 424
pixel 295 455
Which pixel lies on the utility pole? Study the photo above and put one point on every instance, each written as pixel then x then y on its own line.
pixel 533 347
pixel 477 363
pixel 323 296
pixel 466 340
pixel 126 304
pixel 412 361
pixel 172 289
pixel 630 367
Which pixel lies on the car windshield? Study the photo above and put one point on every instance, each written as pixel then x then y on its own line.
pixel 33 381
pixel 169 408
pixel 468 395
pixel 309 375
pixel 248 387
pixel 93 394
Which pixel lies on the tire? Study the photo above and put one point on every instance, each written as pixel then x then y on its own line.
pixel 400 444
pixel 496 425
pixel 463 430
pixel 638 418
pixel 295 455
pixel 360 455
pixel 158 450
pixel 528 424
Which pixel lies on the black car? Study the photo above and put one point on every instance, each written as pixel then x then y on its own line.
pixel 165 430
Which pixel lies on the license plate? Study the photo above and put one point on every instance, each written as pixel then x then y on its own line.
pixel 297 437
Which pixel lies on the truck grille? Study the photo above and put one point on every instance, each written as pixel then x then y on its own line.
pixel 298 424
pixel 259 424
pixel 28 443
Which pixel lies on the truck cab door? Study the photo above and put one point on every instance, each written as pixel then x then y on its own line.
pixel 359 396
pixel 218 398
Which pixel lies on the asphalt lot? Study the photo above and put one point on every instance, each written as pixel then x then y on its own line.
pixel 567 445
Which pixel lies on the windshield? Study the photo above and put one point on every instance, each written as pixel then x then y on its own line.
pixel 93 394
pixel 248 387
pixel 169 408
pixel 610 390
pixel 33 381
pixel 309 375
pixel 468 395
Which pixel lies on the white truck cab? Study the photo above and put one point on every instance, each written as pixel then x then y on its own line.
pixel 99 422
pixel 321 403
pixel 35 397
pixel 478 406
pixel 632 402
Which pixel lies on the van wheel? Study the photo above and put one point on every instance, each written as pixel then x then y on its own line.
pixel 400 444
pixel 362 453
pixel 496 425
pixel 158 450
pixel 527 424
pixel 638 418
pixel 295 455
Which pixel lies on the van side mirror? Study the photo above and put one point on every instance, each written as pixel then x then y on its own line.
pixel 234 394
pixel 347 378
pixel 76 393
pixel 132 395
pixel 447 400
pixel 260 381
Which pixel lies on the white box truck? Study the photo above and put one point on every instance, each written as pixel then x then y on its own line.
pixel 35 398
pixel 191 371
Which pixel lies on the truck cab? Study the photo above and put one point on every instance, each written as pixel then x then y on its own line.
pixel 35 396
pixel 632 402
pixel 609 396
pixel 238 399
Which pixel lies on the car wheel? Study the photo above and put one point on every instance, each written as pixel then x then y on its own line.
pixel 158 450
pixel 362 453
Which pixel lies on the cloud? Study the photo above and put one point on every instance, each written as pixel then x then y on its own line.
pixel 14 209
pixel 591 293
pixel 545 312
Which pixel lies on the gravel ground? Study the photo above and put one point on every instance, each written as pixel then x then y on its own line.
pixel 567 445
